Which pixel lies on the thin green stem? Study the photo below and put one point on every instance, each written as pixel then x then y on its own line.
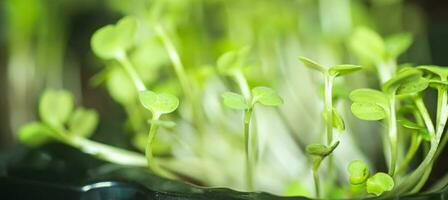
pixel 179 68
pixel 442 115
pixel 392 136
pixel 148 151
pixel 242 84
pixel 424 113
pixel 249 150
pixel 123 59
pixel 316 166
pixel 415 144
pixel 328 106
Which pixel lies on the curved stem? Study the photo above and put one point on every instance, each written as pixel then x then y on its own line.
pixel 328 109
pixel 249 151
pixel 175 59
pixel 122 58
pixel 242 84
pixel 392 136
pixel 328 104
pixel 316 165
pixel 442 115
pixel 424 113
pixel 148 151
pixel 415 144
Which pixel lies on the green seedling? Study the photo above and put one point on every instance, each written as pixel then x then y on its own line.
pixel 437 79
pixel 332 118
pixel 60 122
pixel 260 95
pixel 371 104
pixel 379 183
pixel 383 53
pixel 359 172
pixel 112 42
pixel 319 152
pixel 158 104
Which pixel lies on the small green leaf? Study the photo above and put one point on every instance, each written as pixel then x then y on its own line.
pixel 366 95
pixel 359 172
pixel 312 65
pixel 341 70
pixel 234 101
pixel 424 134
pixel 338 122
pixel 438 84
pixel 35 134
pixel 320 149
pixel 367 44
pixel 380 183
pixel 158 103
pixel 368 111
pixel 317 149
pixel 398 44
pixel 121 87
pixel 55 107
pixel 409 124
pixel 163 123
pixel 441 72
pixel 83 122
pixel 110 41
pixel 232 61
pixel 413 87
pixel 402 77
pixel 266 96
pixel 369 104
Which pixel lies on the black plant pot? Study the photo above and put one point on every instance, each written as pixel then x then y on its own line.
pixel 59 172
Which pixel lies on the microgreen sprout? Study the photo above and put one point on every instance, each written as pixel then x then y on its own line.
pixel 73 127
pixel 264 96
pixel 113 42
pixel 158 104
pixel 332 118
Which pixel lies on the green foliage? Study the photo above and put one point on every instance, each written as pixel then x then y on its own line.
pixel 55 107
pixel 379 183
pixel 405 79
pixel 413 87
pixel 120 87
pixel 83 122
pixel 113 40
pixel 320 149
pixel 35 134
pixel 367 45
pixel 359 172
pixel 338 122
pixel 441 72
pixel 266 96
pixel 232 61
pixel 234 101
pixel 341 70
pixel 369 104
pixel 312 65
pixel 397 44
pixel 158 103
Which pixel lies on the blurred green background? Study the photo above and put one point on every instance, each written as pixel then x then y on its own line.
pixel 46 44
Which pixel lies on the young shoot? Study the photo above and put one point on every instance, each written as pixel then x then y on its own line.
pixel 158 104
pixel 112 42
pixel 62 122
pixel 264 96
pixel 331 117
pixel 369 104
pixel 319 152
